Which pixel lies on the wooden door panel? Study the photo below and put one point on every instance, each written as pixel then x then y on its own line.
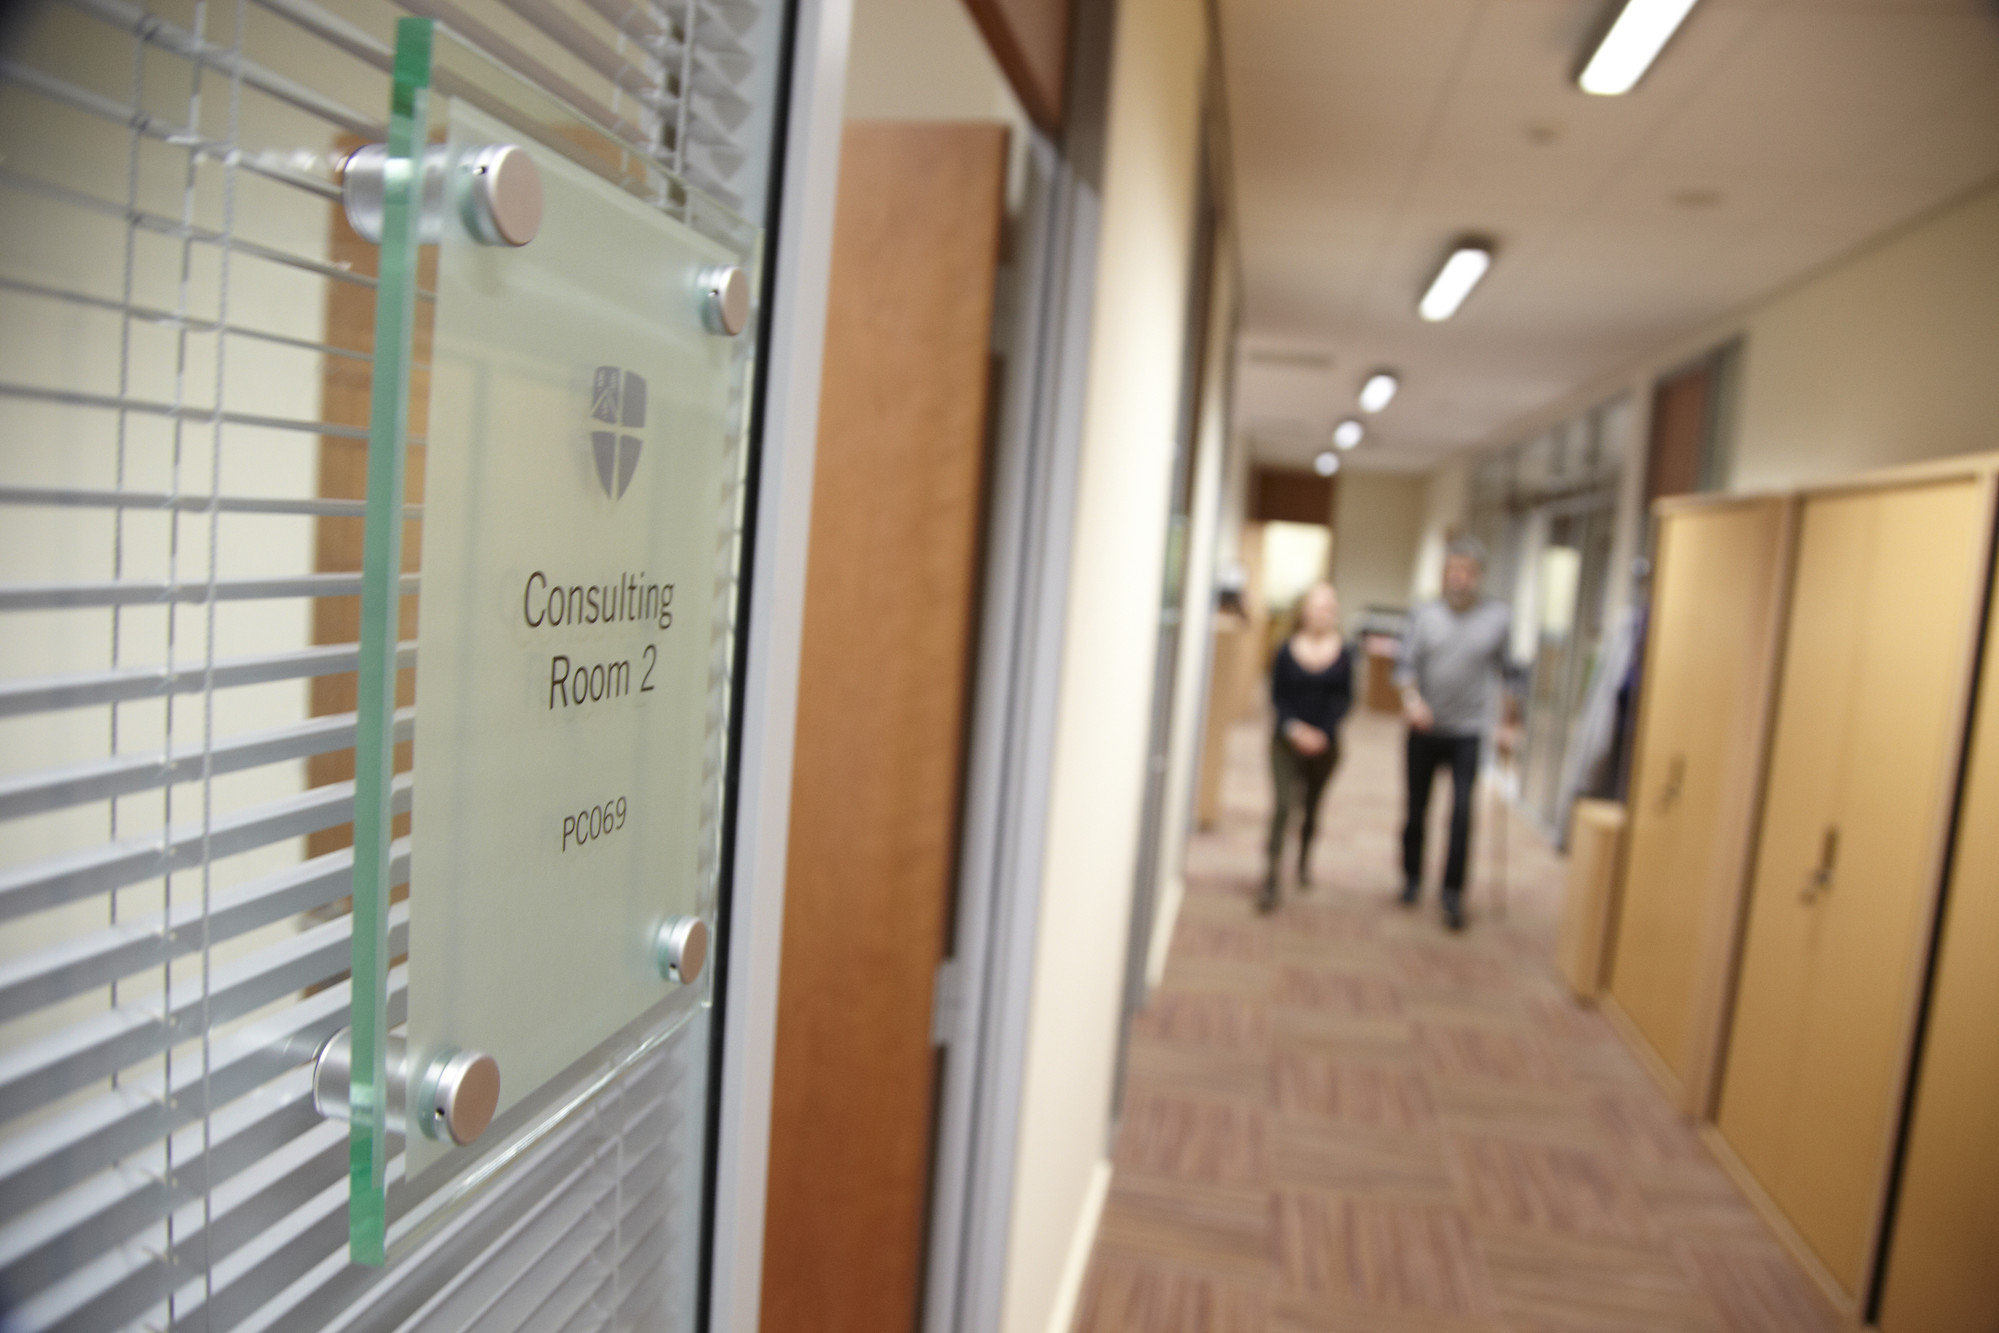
pixel 1865 732
pixel 1757 1107
pixel 1941 1275
pixel 1905 720
pixel 891 589
pixel 1715 597
pixel 1681 407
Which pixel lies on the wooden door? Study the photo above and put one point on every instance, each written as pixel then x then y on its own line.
pixel 1943 1264
pixel 1682 423
pixel 1289 495
pixel 1710 651
pixel 891 592
pixel 1868 720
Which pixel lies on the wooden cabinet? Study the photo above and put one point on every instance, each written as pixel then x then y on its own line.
pixel 1861 778
pixel 1718 582
pixel 1942 1276
pixel 1596 838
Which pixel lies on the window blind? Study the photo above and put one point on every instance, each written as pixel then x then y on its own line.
pixel 173 932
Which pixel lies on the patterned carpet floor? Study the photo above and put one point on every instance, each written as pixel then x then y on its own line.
pixel 1342 1117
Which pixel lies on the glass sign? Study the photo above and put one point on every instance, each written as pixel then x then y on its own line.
pixel 572 518
pixel 580 542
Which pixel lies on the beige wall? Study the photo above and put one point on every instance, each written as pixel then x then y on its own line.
pixel 1883 357
pixel 1097 778
pixel 1197 605
pixel 923 60
pixel 1378 524
pixel 1891 357
pixel 1237 470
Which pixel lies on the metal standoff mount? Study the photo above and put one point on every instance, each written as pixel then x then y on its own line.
pixel 456 1094
pixel 725 299
pixel 493 191
pixel 681 948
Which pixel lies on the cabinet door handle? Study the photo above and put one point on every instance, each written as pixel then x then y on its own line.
pixel 1676 772
pixel 1820 880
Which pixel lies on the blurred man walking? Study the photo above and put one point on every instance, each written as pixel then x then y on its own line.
pixel 1453 661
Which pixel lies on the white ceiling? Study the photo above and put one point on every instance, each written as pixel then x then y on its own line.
pixel 1770 137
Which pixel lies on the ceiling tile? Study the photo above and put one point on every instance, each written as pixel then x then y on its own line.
pixel 1771 136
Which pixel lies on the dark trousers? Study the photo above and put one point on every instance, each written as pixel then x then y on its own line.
pixel 1298 776
pixel 1429 751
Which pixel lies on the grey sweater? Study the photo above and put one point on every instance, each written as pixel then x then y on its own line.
pixel 1455 660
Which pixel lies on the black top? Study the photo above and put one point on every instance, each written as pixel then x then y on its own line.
pixel 1320 698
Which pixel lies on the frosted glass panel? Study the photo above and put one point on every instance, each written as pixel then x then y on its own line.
pixel 581 441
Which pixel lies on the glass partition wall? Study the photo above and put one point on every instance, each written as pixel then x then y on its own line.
pixel 257 979
pixel 1546 511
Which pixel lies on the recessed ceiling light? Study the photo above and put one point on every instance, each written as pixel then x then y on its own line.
pixel 1326 464
pixel 1468 261
pixel 1379 390
pixel 1348 433
pixel 1633 42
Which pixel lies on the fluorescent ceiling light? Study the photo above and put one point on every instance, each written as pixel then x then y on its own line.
pixel 1468 262
pixel 1348 433
pixel 1379 390
pixel 1326 464
pixel 1631 45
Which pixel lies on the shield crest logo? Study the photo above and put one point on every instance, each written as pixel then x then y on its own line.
pixel 618 399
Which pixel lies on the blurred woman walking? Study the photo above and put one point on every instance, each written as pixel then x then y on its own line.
pixel 1311 687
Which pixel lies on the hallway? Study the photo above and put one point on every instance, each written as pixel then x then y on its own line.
pixel 1343 1118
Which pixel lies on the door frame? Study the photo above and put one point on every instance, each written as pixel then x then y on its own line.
pixel 986 986
pixel 798 268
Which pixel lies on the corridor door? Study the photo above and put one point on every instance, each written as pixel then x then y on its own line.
pixel 1860 768
pixel 890 606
